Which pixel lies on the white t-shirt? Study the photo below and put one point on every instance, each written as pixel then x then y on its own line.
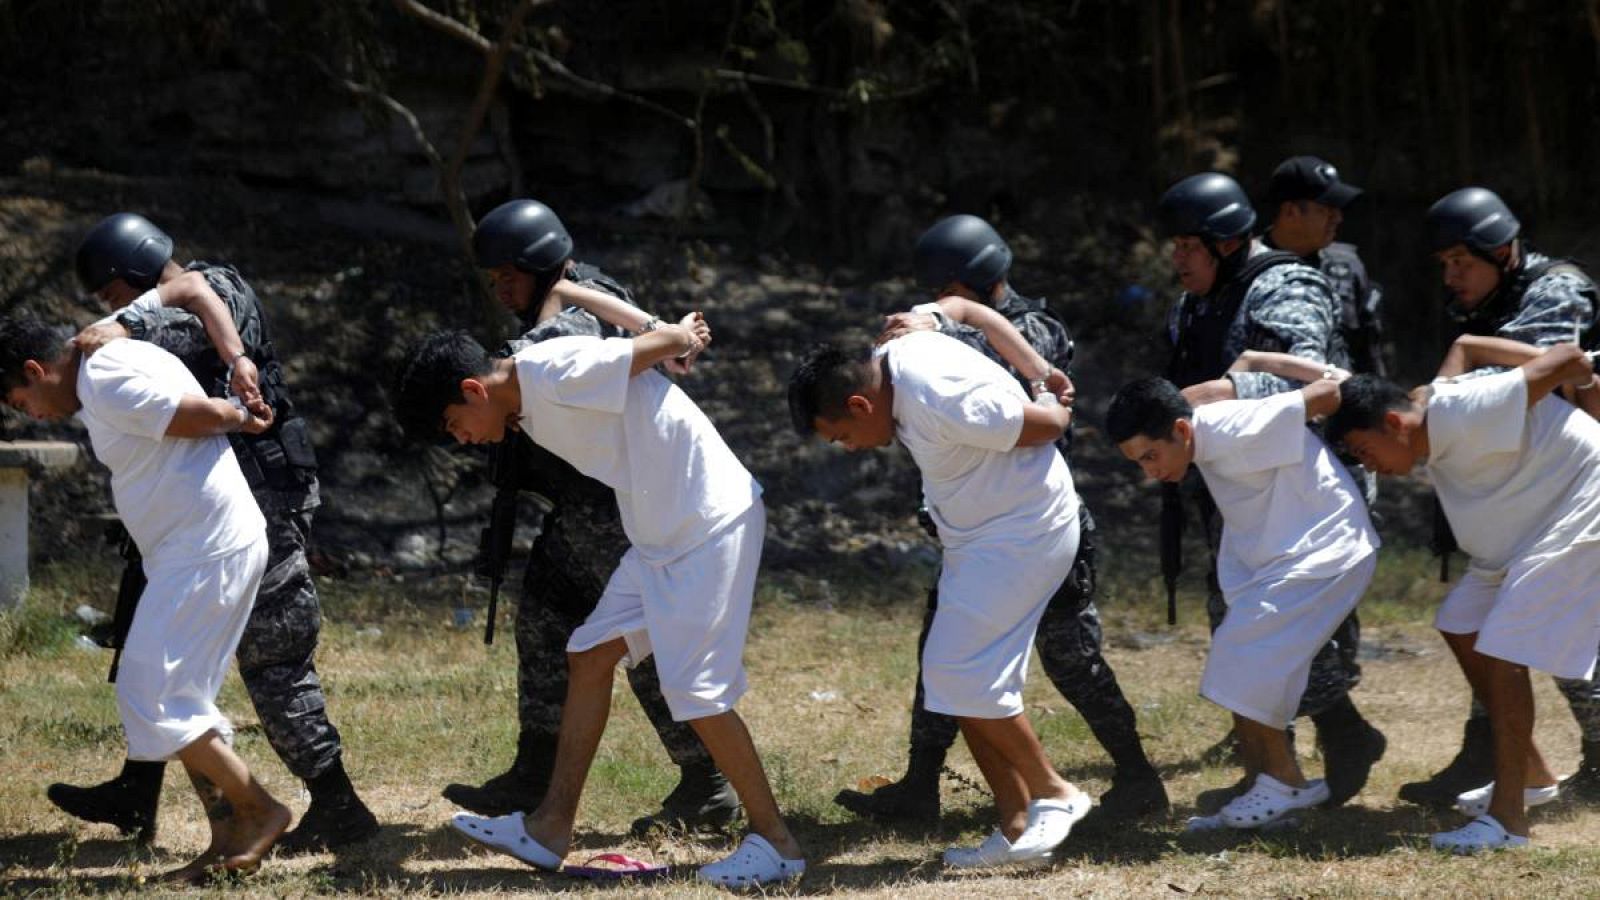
pixel 677 483
pixel 1514 482
pixel 960 416
pixel 182 499
pixel 1290 509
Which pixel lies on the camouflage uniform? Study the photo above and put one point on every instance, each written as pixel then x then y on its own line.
pixel 576 551
pixel 1068 637
pixel 1289 308
pixel 1554 308
pixel 280 638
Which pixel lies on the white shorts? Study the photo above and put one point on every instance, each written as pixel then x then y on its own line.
pixel 692 613
pixel 1543 612
pixel 179 648
pixel 975 662
pixel 1261 653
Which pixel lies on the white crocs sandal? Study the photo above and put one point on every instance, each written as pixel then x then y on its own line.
pixel 994 851
pixel 507 835
pixel 1482 833
pixel 1476 801
pixel 755 863
pixel 1049 823
pixel 1269 800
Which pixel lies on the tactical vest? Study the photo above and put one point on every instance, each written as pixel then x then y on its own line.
pixel 1199 344
pixel 281 458
pixel 1360 306
pixel 1506 303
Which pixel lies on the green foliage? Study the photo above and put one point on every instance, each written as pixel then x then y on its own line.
pixel 36 628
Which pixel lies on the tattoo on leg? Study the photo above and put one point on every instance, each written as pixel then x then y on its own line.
pixel 216 806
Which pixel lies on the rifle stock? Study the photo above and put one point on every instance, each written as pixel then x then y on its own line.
pixel 1171 546
pixel 129 590
pixel 507 463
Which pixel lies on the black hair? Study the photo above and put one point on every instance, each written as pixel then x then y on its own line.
pixel 1363 399
pixel 822 384
pixel 429 379
pixel 22 338
pixel 1147 407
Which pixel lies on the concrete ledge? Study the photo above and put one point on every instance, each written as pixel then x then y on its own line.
pixel 47 454
pixel 17 459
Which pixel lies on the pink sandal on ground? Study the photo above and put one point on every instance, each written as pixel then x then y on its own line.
pixel 618 868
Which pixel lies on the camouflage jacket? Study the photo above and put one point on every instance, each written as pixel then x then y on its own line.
pixel 281 460
pixel 550 476
pixel 1039 327
pixel 1288 309
pixel 1557 307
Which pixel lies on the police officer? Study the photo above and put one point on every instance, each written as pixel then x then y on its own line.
pixel 1240 295
pixel 964 256
pixel 1306 200
pixel 528 254
pixel 119 259
pixel 1496 285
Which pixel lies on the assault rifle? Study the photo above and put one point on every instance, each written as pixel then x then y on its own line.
pixel 128 592
pixel 508 461
pixel 1171 545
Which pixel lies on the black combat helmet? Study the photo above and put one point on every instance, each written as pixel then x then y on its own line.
pixel 524 232
pixel 1474 217
pixel 963 249
pixel 1210 206
pixel 126 246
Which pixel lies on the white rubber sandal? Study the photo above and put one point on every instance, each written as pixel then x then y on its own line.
pixel 1482 833
pixel 1269 800
pixel 507 835
pixel 993 852
pixel 1049 824
pixel 755 863
pixel 1476 801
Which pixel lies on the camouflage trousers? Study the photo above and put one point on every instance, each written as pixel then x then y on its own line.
pixel 1069 646
pixel 280 639
pixel 560 588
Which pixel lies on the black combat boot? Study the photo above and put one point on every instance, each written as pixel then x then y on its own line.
pixel 1351 746
pixel 518 789
pixel 127 801
pixel 335 818
pixel 914 798
pixel 702 799
pixel 1134 794
pixel 1473 767
pixel 1583 786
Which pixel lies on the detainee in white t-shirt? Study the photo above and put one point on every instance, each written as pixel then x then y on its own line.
pixel 1517 472
pixel 1006 511
pixel 177 487
pixel 695 519
pixel 1298 550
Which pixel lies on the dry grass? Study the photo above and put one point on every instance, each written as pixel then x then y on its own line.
pixel 421 705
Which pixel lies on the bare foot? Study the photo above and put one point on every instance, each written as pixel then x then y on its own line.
pixel 255 835
pixel 198 871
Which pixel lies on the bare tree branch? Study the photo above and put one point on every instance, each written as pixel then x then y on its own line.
pixel 443 23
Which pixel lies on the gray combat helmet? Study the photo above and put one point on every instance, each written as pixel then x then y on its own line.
pixel 1210 206
pixel 1474 217
pixel 126 246
pixel 524 232
pixel 963 249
